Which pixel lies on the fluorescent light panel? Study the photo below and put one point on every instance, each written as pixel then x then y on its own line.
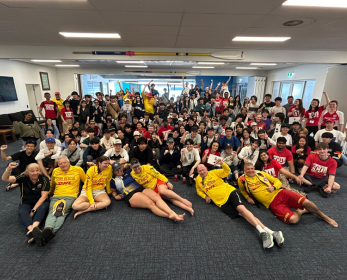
pixel 67 65
pixel 212 63
pixel 246 67
pixel 45 60
pixel 129 61
pixel 263 64
pixel 137 66
pixel 203 67
pixel 317 3
pixel 261 39
pixel 90 35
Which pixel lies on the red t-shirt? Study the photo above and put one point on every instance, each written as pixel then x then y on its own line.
pixel 147 135
pixel 320 168
pixel 273 168
pixel 261 125
pixel 308 152
pixel 281 157
pixel 162 131
pixel 66 114
pixel 142 132
pixel 50 109
pixel 97 130
pixel 313 117
pixel 296 112
pixel 334 117
pixel 208 152
pixel 223 131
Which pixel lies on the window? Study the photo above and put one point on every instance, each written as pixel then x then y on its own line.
pixel 93 87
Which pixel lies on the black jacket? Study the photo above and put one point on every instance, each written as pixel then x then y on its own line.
pixel 94 153
pixel 144 157
pixel 173 159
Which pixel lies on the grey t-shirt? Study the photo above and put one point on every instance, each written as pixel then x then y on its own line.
pixel 197 139
pixel 190 156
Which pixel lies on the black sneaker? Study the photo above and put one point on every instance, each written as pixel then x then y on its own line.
pixel 47 234
pixel 323 193
pixel 191 181
pixel 309 189
pixel 38 236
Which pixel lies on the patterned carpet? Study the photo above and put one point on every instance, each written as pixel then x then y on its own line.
pixel 126 243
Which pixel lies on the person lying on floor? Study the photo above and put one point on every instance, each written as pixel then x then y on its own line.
pixel 123 186
pixel 262 187
pixel 148 177
pixel 34 193
pixel 211 187
pixel 65 182
pixel 25 158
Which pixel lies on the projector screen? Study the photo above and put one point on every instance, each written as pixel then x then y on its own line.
pixel 7 89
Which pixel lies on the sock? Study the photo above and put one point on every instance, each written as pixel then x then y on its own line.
pixel 260 229
pixel 268 230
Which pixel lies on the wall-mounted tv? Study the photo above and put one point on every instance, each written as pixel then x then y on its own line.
pixel 7 89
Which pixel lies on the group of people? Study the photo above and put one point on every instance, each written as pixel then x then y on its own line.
pixel 130 144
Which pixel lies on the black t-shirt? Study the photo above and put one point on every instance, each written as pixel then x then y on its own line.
pixel 31 193
pixel 74 104
pixel 124 141
pixel 267 106
pixel 24 159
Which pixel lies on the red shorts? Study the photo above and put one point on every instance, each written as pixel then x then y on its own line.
pixel 282 203
pixel 159 182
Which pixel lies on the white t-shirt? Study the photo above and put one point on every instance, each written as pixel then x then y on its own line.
pixel 338 135
pixel 278 110
pixel 288 137
pixel 190 156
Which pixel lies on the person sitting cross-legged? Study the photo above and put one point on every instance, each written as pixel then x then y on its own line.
pixel 262 187
pixel 93 195
pixel 210 186
pixel 65 183
pixel 148 177
pixel 319 172
pixel 93 152
pixel 124 187
pixel 170 163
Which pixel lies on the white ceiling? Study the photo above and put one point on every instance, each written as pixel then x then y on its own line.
pixel 184 24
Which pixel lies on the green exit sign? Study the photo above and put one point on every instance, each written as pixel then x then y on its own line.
pixel 290 74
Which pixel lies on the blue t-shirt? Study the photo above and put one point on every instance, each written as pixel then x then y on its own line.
pixel 234 141
pixel 125 184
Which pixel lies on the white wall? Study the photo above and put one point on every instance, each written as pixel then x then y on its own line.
pixel 336 86
pixel 25 73
pixel 316 72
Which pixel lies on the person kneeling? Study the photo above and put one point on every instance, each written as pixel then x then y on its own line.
pixel 210 186
pixel 260 186
pixel 93 196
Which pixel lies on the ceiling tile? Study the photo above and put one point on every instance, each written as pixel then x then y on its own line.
pixel 219 20
pixel 148 30
pixel 272 32
pixel 164 41
pixel 140 18
pixel 247 7
pixel 309 11
pixel 201 41
pixel 52 5
pixel 340 24
pixel 139 5
pixel 209 31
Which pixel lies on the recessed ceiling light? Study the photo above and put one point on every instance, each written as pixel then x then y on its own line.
pixel 212 63
pixel 129 61
pixel 137 66
pixel 317 3
pixel 265 64
pixel 261 39
pixel 45 60
pixel 246 67
pixel 294 22
pixel 67 65
pixel 90 35
pixel 203 67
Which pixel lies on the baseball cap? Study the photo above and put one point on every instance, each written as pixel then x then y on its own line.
pixel 135 163
pixel 57 93
pixel 50 140
pixel 329 120
pixel 126 99
pixel 295 123
pixel 285 125
pixel 149 95
pixel 170 140
pixel 118 141
pixel 180 119
pixel 169 117
pixel 228 145
pixel 30 141
pixel 115 166
pixel 253 123
pixel 136 133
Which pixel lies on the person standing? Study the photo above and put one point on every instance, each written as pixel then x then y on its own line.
pixel 287 106
pixel 66 115
pixel 51 109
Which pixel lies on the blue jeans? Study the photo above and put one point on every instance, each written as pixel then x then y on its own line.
pixel 344 158
pixel 24 213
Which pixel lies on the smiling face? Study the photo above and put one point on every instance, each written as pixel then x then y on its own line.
pixel 264 157
pixel 104 164
pixel 64 164
pixel 202 170
pixel 214 147
pixel 34 172
pixel 249 170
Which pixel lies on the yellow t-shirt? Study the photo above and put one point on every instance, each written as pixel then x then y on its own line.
pixel 66 183
pixel 97 181
pixel 148 177
pixel 258 188
pixel 148 103
pixel 59 103
pixel 214 187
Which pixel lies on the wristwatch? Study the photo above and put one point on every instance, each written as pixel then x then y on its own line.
pixel 167 182
pixel 33 211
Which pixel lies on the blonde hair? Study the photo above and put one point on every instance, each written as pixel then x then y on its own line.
pixel 29 167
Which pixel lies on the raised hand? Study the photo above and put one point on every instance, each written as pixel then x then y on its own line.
pixel 12 165
pixel 219 161
pixel 3 147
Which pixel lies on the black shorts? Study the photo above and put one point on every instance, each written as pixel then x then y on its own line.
pixel 130 195
pixel 229 207
pixel 318 182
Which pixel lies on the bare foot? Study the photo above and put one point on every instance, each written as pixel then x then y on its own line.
pixel 191 211
pixel 301 212
pixel 333 191
pixel 77 214
pixel 329 221
pixel 187 203
pixel 177 218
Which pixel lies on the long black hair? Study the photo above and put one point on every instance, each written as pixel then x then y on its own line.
pixel 316 108
pixel 306 145
pixel 260 164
